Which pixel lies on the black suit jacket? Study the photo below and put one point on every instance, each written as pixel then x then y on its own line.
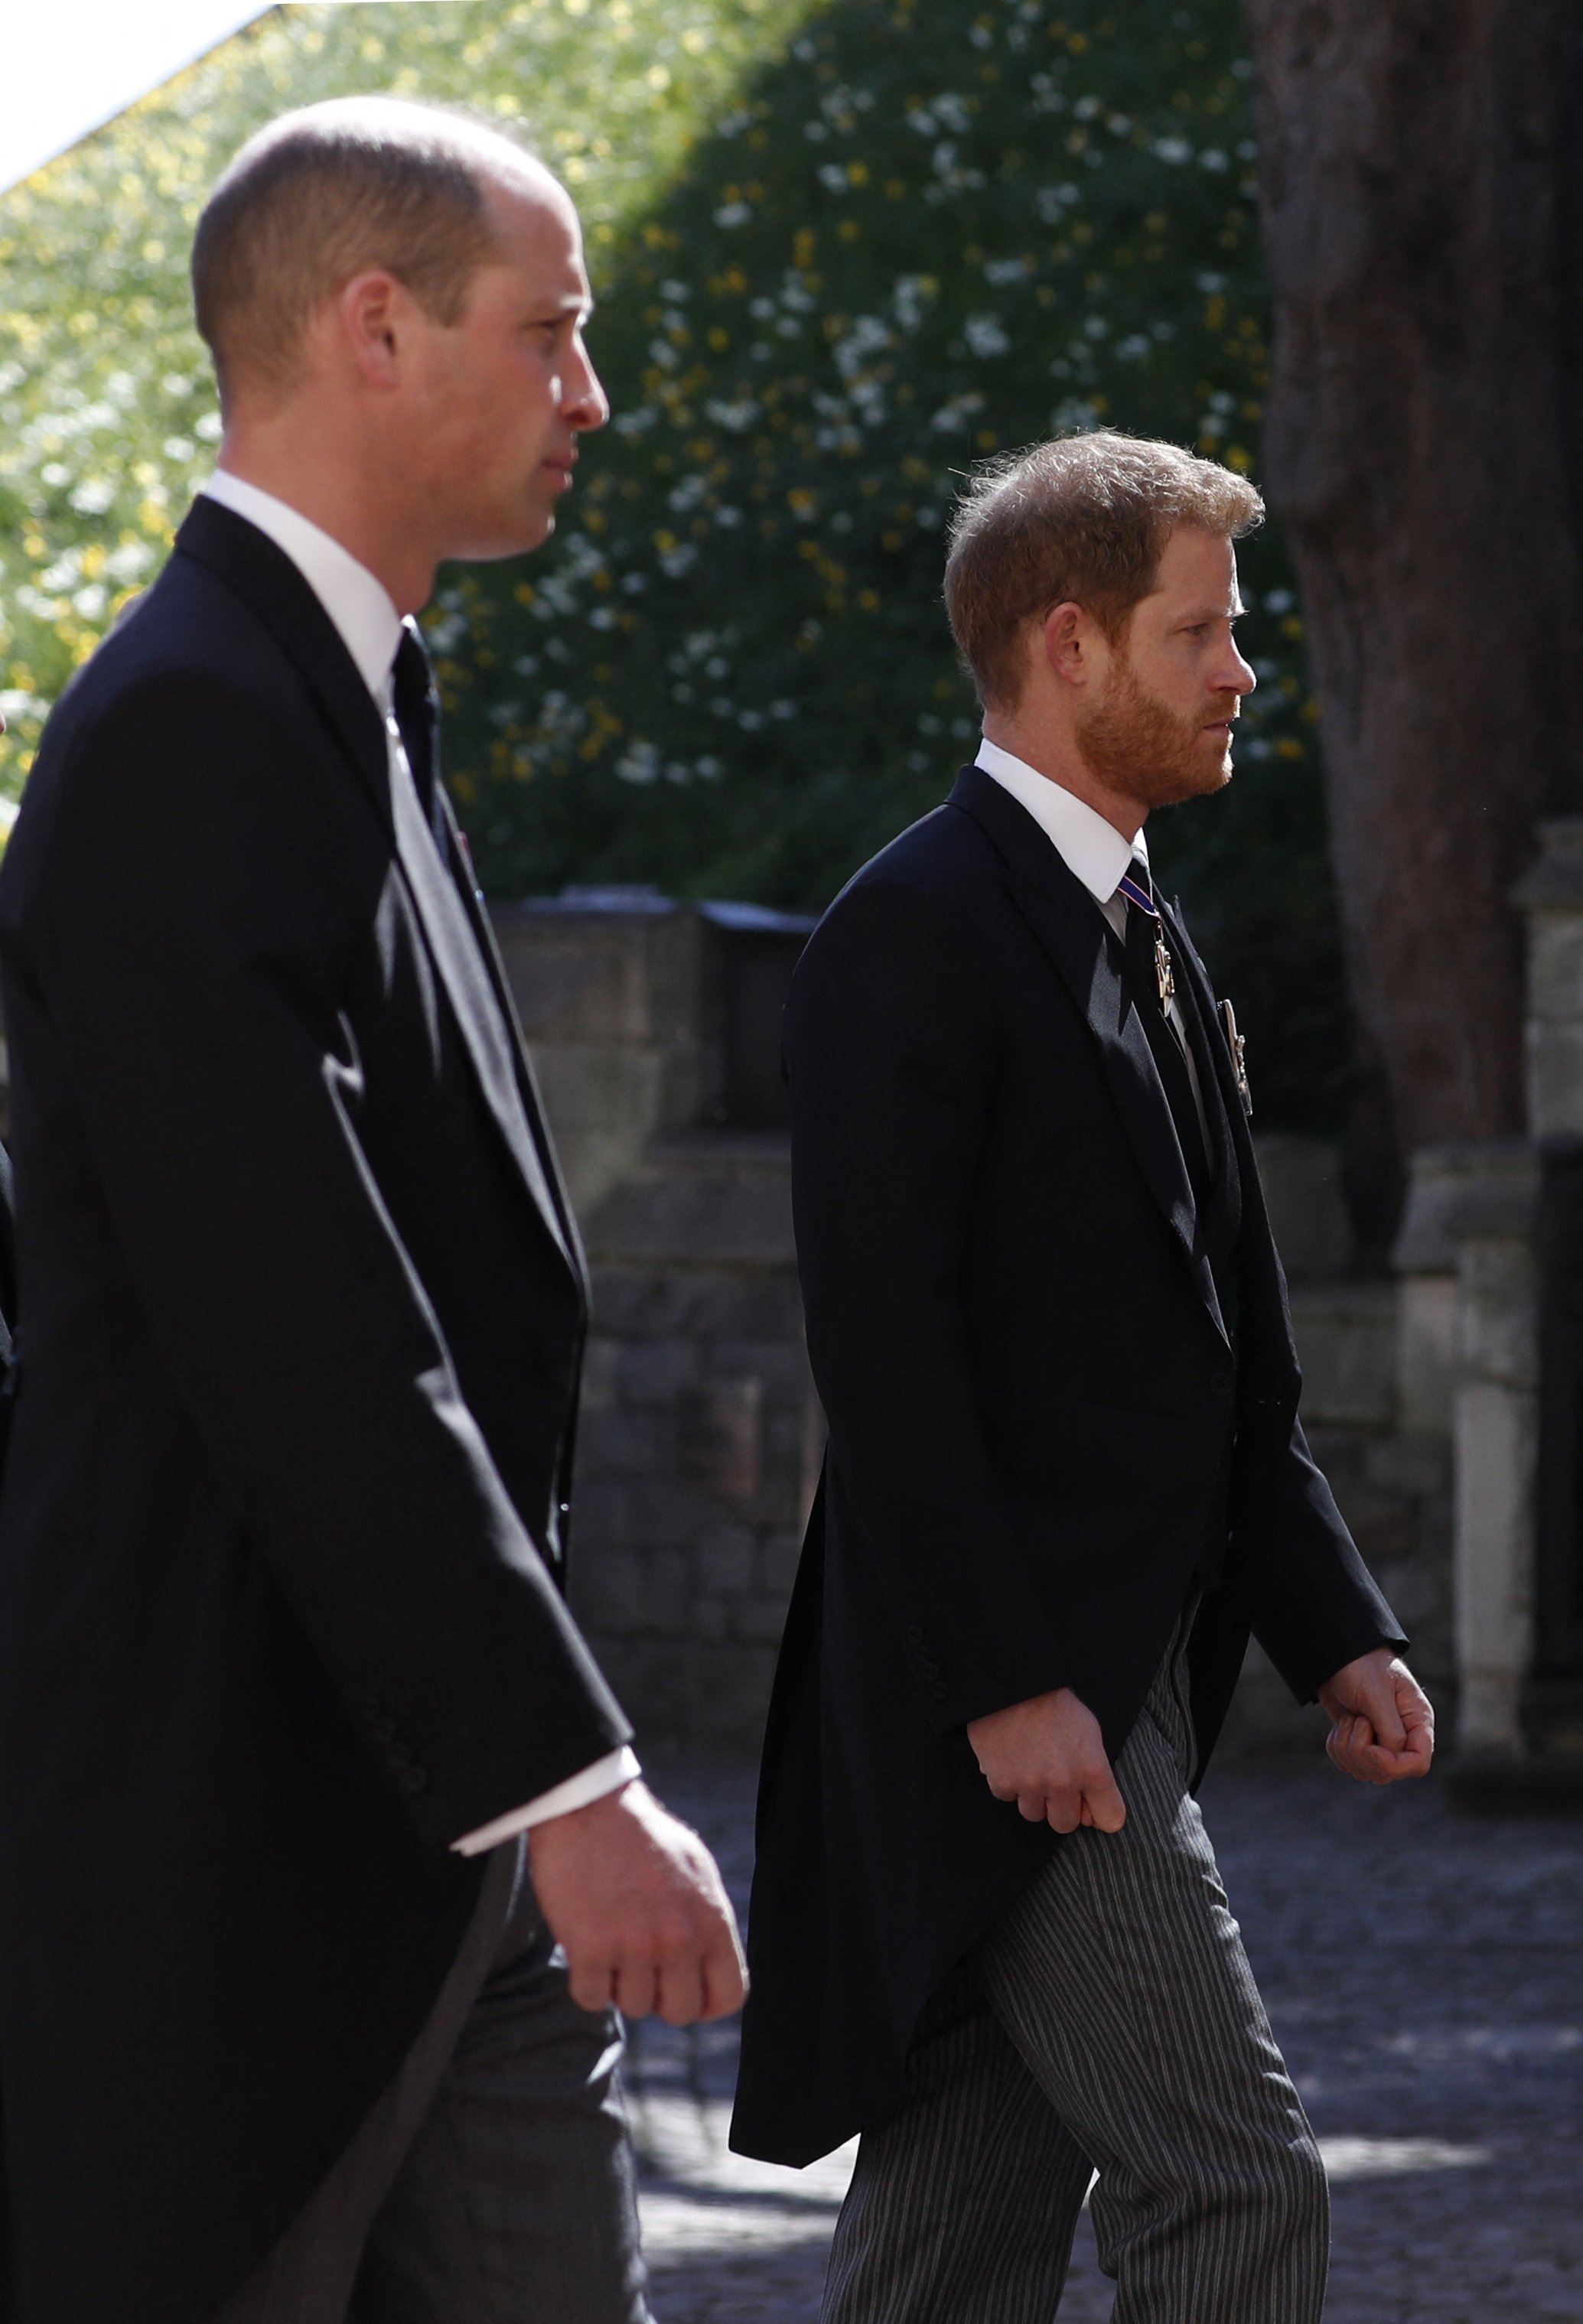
pixel 1040 1431
pixel 279 1607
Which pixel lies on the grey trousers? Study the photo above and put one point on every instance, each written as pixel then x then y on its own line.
pixel 493 2183
pixel 1109 2023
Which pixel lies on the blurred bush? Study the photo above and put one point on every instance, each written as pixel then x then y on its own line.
pixel 840 253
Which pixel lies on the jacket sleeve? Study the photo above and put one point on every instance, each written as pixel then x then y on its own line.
pixel 1316 1607
pixel 890 1053
pixel 189 951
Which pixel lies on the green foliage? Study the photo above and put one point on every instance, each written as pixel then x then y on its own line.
pixel 107 414
pixel 840 253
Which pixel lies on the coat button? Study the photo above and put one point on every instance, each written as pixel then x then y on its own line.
pixel 914 1634
pixel 1222 1381
pixel 413 1781
pixel 939 1690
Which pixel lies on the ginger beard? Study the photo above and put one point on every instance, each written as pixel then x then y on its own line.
pixel 1137 745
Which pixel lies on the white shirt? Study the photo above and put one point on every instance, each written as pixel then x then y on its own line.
pixel 371 630
pixel 1093 851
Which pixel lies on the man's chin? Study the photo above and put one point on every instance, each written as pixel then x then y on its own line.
pixel 1185 783
pixel 493 548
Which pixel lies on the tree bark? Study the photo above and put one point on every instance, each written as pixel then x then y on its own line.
pixel 1419 193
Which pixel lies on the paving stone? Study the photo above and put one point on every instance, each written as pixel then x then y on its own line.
pixel 1424 1973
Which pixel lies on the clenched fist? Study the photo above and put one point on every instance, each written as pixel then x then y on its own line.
pixel 638 1903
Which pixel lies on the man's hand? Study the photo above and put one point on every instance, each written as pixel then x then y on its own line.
pixel 1382 1722
pixel 1047 1754
pixel 636 1901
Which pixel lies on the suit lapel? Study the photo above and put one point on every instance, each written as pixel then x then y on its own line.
pixel 1072 933
pixel 274 589
pixel 526 1079
pixel 1261 1267
pixel 1216 1078
pixel 476 1007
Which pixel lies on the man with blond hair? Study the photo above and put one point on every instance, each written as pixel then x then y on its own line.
pixel 325 1861
pixel 1065 1480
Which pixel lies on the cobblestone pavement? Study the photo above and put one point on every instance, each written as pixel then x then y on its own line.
pixel 1424 1971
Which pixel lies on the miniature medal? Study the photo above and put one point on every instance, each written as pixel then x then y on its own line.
pixel 1164 974
pixel 1238 1048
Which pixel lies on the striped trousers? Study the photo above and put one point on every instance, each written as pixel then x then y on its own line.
pixel 1109 2023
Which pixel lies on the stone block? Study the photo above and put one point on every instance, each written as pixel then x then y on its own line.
pixel 1426 1353
pixel 1493 1560
pixel 1416 1466
pixel 1553 1060
pixel 689 1218
pixel 1555 966
pixel 724 1560
pixel 711 1619
pixel 719 1437
pixel 616 1441
pixel 661 1510
pixel 656 1371
pixel 780 1364
pixel 1498 1309
pixel 665 1591
pixel 1303 1193
pixel 627 973
pixel 630 1303
pixel 1346 1346
pixel 1440 1180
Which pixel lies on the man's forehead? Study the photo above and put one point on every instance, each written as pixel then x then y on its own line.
pixel 533 217
pixel 1197 564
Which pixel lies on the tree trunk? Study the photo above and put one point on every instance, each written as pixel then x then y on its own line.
pixel 1419 188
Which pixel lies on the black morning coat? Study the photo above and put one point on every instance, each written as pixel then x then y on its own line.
pixel 280 1613
pixel 1039 1432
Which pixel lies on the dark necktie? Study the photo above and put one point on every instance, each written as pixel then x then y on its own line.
pixel 417 714
pixel 1142 927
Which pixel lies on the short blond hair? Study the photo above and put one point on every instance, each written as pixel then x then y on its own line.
pixel 323 194
pixel 1083 518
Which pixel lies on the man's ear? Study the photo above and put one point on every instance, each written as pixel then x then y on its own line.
pixel 368 310
pixel 1069 636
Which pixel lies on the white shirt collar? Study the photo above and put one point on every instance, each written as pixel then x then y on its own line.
pixel 1092 850
pixel 360 606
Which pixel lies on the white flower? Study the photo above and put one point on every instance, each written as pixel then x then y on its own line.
pixel 639 762
pixel 735 418
pixel 986 335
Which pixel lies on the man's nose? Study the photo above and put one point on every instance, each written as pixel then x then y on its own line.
pixel 1238 676
pixel 583 401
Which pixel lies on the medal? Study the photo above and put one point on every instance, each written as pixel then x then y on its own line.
pixel 1142 899
pixel 1238 1048
pixel 1164 974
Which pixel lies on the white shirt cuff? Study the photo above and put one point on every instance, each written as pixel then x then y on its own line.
pixel 579 1791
